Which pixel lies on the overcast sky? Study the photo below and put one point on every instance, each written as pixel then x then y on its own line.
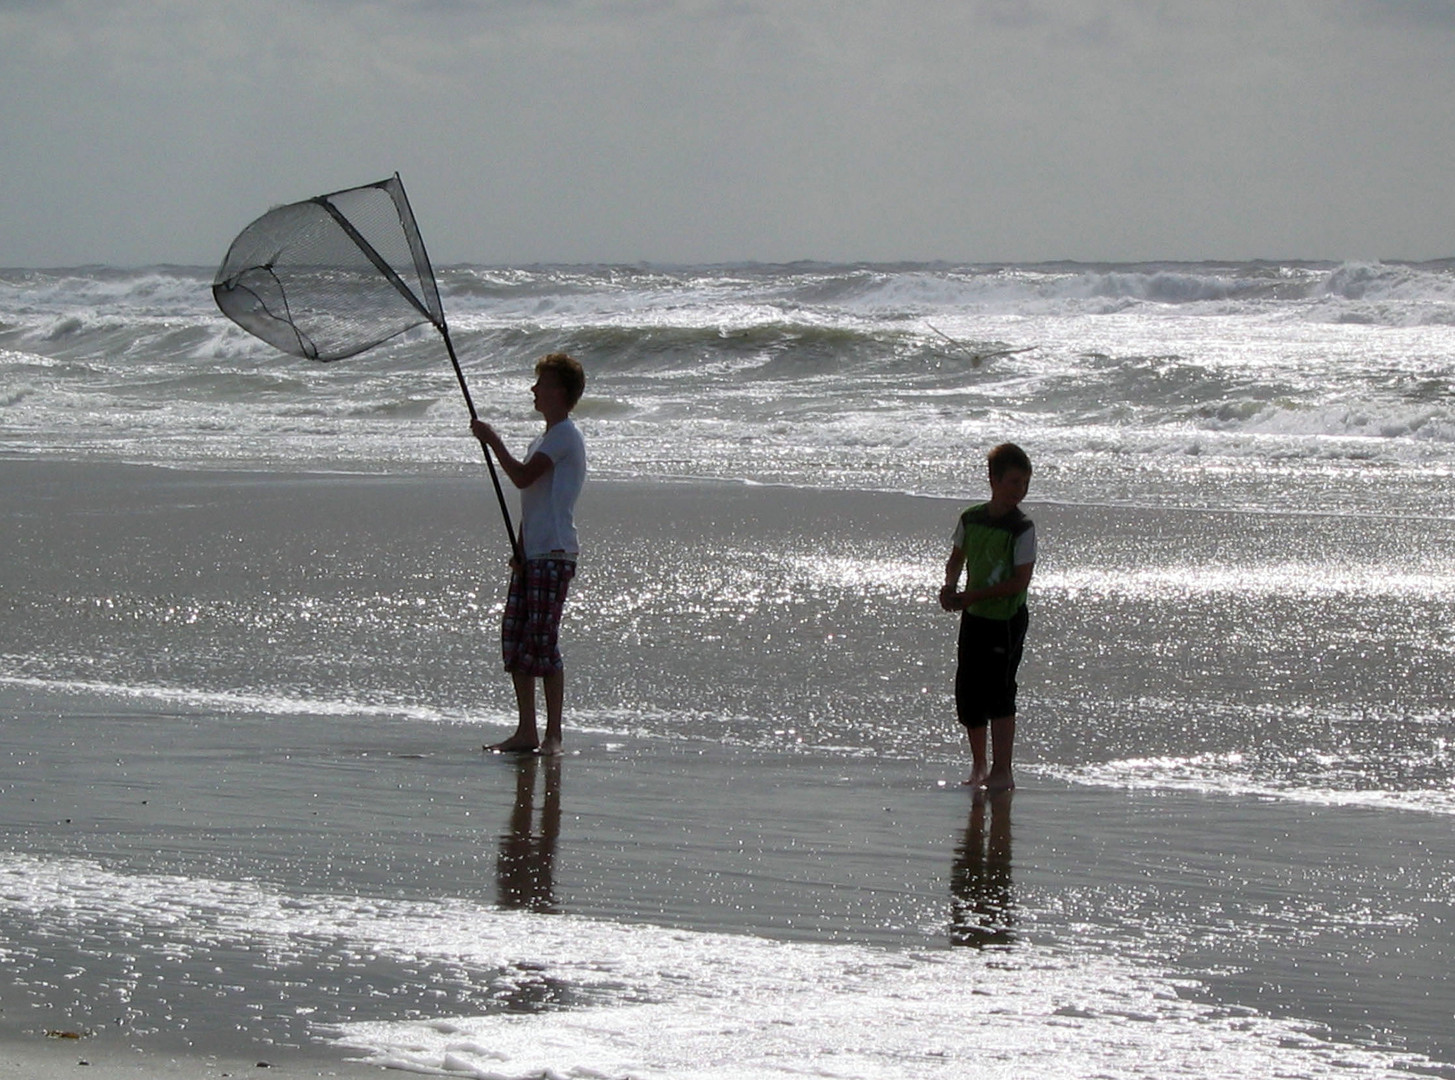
pixel 135 132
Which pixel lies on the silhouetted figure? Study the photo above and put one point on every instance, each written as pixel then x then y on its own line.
pixel 983 911
pixel 525 867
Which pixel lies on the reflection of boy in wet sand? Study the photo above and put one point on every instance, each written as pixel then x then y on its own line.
pixel 995 545
pixel 984 907
pixel 550 480
pixel 525 867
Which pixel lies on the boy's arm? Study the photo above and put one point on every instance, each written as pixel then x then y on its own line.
pixel 953 565
pixel 522 473
pixel 1017 583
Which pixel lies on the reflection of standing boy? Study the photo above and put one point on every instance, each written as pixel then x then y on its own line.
pixel 550 479
pixel 995 544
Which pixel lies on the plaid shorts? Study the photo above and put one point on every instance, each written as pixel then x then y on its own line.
pixel 530 630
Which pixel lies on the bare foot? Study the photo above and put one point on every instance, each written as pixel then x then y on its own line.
pixel 516 744
pixel 550 748
pixel 999 781
pixel 975 780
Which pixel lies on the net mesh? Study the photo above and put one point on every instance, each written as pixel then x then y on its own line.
pixel 331 276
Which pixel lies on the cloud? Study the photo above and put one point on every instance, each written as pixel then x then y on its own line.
pixel 704 130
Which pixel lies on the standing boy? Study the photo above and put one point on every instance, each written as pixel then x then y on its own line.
pixel 549 480
pixel 995 544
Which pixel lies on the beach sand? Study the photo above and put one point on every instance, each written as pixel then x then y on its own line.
pixel 1242 894
pixel 141 828
pixel 70 1059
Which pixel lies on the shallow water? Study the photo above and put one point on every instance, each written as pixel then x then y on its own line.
pixel 245 804
pixel 1302 656
pixel 1323 388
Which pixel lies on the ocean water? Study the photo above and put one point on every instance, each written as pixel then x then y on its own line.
pixel 1164 385
pixel 1314 403
pixel 1238 698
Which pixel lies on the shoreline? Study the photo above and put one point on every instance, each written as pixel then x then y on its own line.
pixel 69 1059
pixel 470 472
pixel 805 850
pixel 244 868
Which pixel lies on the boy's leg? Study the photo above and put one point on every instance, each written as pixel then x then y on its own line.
pixel 526 736
pixel 514 626
pixel 562 571
pixel 978 768
pixel 525 705
pixel 969 677
pixel 1002 737
pixel 1002 728
pixel 555 684
pixel 529 634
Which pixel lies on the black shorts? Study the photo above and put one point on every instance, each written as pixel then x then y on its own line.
pixel 988 655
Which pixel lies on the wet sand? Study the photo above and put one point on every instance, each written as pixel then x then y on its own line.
pixel 134 829
pixel 1269 904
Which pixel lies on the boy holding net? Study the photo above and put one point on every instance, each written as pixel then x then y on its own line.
pixel 550 479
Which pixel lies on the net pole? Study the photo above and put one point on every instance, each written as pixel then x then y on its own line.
pixel 425 270
pixel 489 458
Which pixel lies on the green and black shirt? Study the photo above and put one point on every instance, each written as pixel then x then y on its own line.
pixel 993 548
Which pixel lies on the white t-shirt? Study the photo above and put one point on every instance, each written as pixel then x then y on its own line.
pixel 548 507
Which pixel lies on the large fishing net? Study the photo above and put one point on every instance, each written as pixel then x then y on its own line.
pixel 331 276
pixel 336 275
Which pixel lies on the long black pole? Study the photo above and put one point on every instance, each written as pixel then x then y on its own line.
pixel 426 272
pixel 489 460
